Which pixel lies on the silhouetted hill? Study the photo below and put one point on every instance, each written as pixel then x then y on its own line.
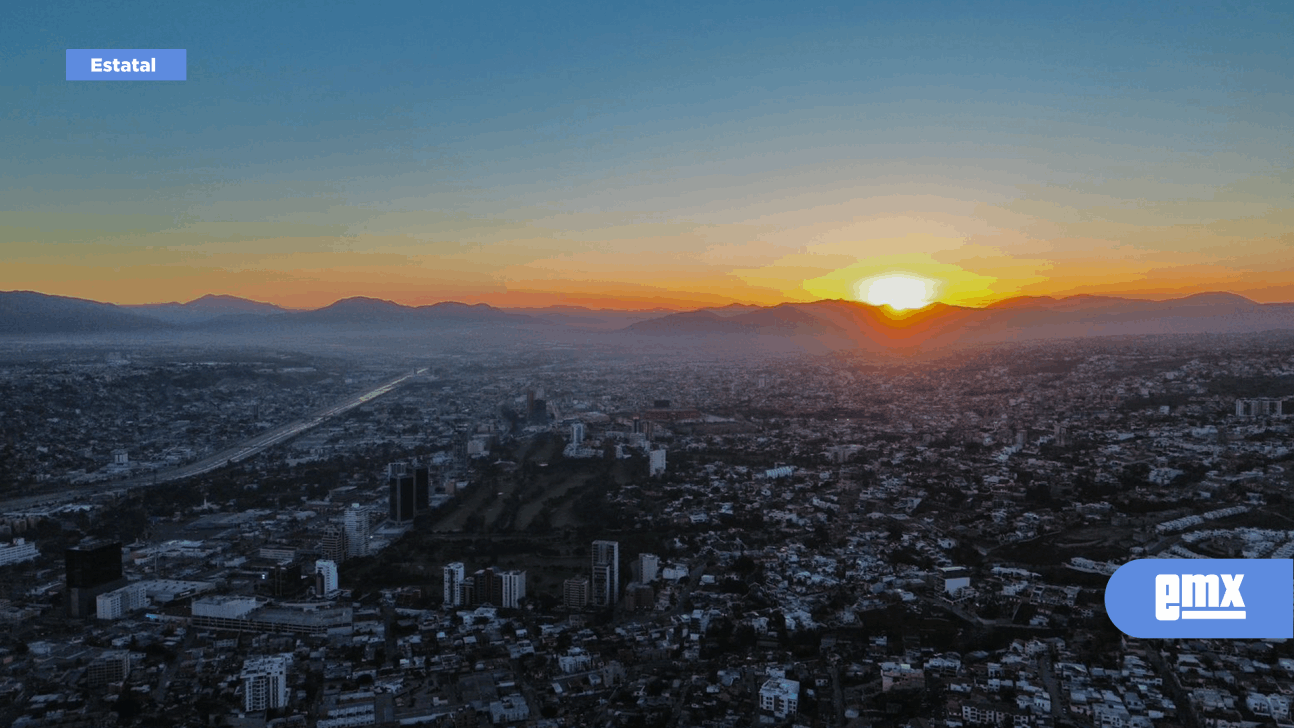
pixel 360 309
pixel 206 308
pixel 849 324
pixel 375 312
pixel 28 312
pixel 733 309
pixel 828 325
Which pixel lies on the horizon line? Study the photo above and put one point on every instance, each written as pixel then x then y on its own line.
pixel 660 307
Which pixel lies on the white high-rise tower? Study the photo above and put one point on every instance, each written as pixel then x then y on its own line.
pixel 265 683
pixel 356 523
pixel 454 574
pixel 328 569
pixel 648 568
pixel 656 462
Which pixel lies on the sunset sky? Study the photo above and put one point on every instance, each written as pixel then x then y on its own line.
pixel 659 154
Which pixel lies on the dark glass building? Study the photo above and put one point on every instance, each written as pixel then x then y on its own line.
pixel 421 487
pixel 402 497
pixel 93 564
pixel 92 569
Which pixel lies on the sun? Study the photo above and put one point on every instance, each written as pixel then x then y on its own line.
pixel 899 291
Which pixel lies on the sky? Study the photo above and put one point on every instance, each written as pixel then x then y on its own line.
pixel 650 155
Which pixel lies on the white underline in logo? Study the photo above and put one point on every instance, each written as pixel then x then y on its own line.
pixel 1211 614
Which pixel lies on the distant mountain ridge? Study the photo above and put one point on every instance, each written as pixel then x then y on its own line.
pixel 839 324
pixel 362 310
pixel 206 308
pixel 824 325
pixel 28 312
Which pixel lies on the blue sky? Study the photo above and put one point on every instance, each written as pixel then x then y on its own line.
pixel 672 152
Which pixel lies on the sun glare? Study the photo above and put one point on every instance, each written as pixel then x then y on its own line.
pixel 900 291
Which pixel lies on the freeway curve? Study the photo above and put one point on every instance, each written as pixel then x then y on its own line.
pixel 235 454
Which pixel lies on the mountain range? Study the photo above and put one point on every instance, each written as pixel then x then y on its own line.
pixel 850 324
pixel 816 326
pixel 204 309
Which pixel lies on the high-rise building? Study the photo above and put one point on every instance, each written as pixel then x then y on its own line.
pixel 454 574
pixel 92 569
pixel 265 683
pixel 92 564
pixel 357 532
pixel 409 489
pixel 467 592
pixel 489 588
pixel 577 433
pixel 421 488
pixel 606 573
pixel 327 572
pixel 656 462
pixel 512 587
pixel 648 568
pixel 280 579
pixel 485 586
pixel 402 499
pixel 575 592
pixel 333 544
pixel 538 412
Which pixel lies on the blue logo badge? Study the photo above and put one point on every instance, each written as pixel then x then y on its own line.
pixel 108 64
pixel 1203 598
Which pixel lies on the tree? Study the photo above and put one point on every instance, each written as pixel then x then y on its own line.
pixel 128 706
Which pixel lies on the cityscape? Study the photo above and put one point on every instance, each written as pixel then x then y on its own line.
pixel 647 365
pixel 572 538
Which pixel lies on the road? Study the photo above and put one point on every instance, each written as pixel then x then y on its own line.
pixel 270 438
pixel 236 454
pixel 1053 687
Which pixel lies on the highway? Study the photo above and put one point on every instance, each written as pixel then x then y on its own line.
pixel 273 437
pixel 236 454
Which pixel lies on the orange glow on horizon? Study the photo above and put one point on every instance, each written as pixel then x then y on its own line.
pixel 308 295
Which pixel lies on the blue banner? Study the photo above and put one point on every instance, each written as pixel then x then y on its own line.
pixel 100 64
pixel 1203 598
